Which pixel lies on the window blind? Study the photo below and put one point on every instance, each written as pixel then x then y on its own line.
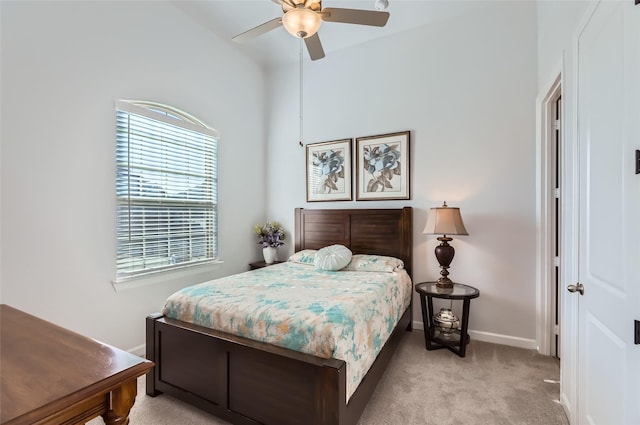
pixel 166 189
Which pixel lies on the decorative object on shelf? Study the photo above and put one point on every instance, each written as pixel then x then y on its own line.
pixel 382 170
pixel 329 171
pixel 444 221
pixel 446 321
pixel 270 236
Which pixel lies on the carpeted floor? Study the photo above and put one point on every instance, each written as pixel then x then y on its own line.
pixel 492 385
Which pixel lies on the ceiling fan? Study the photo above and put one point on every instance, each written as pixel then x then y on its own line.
pixel 302 19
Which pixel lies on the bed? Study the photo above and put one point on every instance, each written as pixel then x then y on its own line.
pixel 245 381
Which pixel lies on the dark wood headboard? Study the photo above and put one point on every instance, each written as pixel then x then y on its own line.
pixel 364 231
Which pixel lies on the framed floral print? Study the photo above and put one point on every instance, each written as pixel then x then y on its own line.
pixel 329 171
pixel 382 167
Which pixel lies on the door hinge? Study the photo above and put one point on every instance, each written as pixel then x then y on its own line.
pixel 556 125
pixel 556 193
pixel 636 332
pixel 637 152
pixel 556 261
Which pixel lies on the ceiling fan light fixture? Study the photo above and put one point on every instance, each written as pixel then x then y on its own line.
pixel 381 4
pixel 301 22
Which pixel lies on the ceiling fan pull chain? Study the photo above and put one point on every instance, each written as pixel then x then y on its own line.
pixel 301 98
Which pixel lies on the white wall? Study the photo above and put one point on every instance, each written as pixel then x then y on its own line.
pixel 63 66
pixel 557 22
pixel 466 90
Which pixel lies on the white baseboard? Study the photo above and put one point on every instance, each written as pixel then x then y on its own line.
pixel 512 341
pixel 140 350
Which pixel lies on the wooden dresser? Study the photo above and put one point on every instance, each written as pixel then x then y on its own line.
pixel 50 375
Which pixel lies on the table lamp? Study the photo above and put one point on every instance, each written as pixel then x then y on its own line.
pixel 444 221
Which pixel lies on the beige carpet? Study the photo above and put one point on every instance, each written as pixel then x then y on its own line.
pixel 493 384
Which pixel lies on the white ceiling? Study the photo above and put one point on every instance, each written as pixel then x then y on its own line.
pixel 228 18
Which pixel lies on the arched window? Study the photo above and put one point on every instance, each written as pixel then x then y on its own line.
pixel 166 189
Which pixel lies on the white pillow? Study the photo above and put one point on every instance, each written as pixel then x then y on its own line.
pixel 306 256
pixel 374 263
pixel 333 257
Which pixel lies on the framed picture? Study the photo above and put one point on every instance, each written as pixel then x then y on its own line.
pixel 382 167
pixel 329 171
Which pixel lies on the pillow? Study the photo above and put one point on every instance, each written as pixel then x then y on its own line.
pixel 374 263
pixel 333 257
pixel 306 256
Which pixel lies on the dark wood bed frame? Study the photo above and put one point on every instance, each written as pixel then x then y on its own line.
pixel 248 382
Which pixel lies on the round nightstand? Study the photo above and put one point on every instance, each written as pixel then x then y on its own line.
pixel 435 337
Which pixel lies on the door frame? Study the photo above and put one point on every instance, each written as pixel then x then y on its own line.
pixel 545 299
pixel 564 77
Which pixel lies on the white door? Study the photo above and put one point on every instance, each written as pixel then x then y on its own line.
pixel 609 259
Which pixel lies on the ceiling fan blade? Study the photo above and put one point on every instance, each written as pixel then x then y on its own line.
pixel 259 30
pixel 314 47
pixel 355 16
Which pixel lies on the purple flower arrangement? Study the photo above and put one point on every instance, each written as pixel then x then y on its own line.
pixel 270 235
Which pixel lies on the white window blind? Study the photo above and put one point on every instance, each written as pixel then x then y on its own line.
pixel 166 189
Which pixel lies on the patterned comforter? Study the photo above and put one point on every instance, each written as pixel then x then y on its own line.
pixel 346 315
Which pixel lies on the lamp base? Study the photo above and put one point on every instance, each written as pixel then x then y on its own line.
pixel 444 254
pixel 444 282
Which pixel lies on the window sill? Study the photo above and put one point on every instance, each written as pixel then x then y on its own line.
pixel 162 276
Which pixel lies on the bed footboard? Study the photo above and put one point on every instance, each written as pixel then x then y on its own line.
pixel 242 381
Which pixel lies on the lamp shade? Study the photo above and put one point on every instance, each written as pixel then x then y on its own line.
pixel 301 22
pixel 444 220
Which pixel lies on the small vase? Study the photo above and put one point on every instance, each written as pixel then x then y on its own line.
pixel 269 254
